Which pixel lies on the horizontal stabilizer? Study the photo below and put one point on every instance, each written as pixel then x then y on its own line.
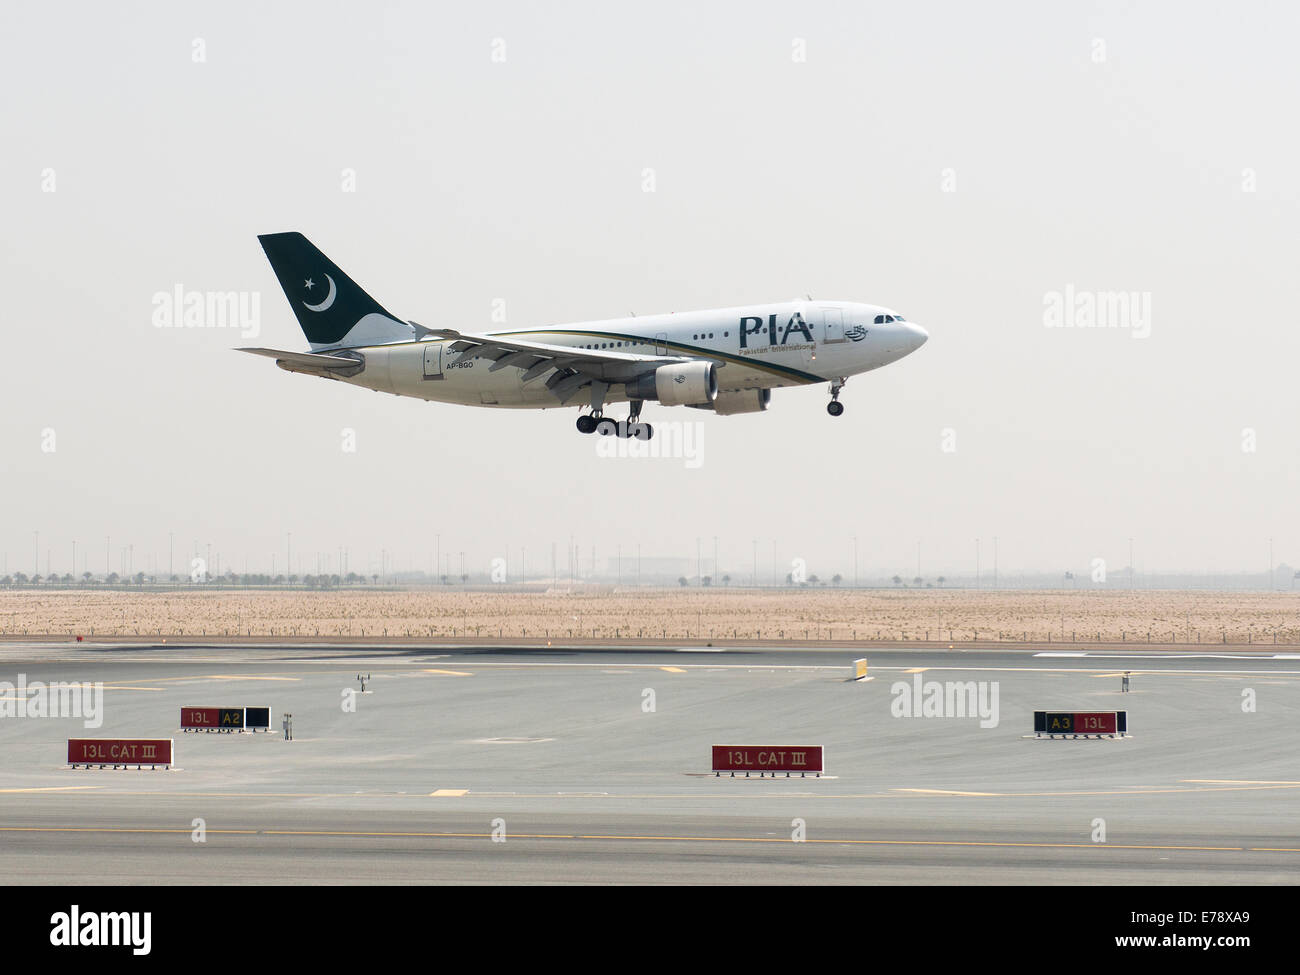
pixel 312 362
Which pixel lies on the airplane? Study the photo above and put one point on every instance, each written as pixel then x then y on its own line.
pixel 727 360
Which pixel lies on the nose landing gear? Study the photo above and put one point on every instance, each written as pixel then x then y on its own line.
pixel 835 407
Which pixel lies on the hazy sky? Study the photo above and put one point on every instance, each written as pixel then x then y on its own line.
pixel 961 163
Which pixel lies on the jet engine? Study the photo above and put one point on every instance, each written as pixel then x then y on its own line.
pixel 731 401
pixel 679 384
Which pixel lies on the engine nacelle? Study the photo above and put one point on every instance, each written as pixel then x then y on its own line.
pixel 731 401
pixel 680 384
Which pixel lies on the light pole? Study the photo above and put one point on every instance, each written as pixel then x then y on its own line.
pixel 855 561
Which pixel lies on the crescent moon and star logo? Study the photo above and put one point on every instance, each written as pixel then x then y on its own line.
pixel 329 298
pixel 857 333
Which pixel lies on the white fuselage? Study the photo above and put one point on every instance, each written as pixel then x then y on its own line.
pixel 755 347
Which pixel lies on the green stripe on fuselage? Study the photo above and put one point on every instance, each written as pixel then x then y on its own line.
pixel 786 371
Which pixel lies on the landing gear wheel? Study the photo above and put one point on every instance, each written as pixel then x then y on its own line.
pixel 834 407
pixel 586 424
pixel 641 431
pixel 606 427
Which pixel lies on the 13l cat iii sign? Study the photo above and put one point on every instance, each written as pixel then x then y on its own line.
pixel 767 758
pixel 119 751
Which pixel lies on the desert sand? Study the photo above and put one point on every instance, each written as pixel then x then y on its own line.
pixel 1059 616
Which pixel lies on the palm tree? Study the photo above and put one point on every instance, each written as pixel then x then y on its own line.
pixel 726 580
pixel 681 580
pixel 898 580
pixel 917 581
pixel 835 579
pixel 941 582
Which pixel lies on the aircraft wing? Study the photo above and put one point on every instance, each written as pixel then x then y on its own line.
pixel 570 369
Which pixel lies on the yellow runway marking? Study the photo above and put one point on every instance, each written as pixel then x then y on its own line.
pixel 450 673
pixel 403 835
pixel 8 699
pixel 395 834
pixel 1244 787
pixel 53 788
pixel 447 793
pixel 915 670
pixel 116 829
pixel 673 670
pixel 161 680
pixel 852 842
pixel 118 687
pixel 897 793
pixel 1243 781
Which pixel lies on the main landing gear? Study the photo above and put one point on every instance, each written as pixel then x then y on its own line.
pixel 835 407
pixel 604 426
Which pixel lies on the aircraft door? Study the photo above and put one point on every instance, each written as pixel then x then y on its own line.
pixel 433 360
pixel 832 325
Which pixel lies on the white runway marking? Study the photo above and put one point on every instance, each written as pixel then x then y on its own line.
pixel 1245 655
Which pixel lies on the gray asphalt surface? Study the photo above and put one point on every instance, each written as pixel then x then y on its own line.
pixel 555 751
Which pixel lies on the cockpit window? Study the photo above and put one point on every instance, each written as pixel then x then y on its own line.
pixel 884 319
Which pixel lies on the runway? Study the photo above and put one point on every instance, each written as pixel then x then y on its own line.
pixel 573 765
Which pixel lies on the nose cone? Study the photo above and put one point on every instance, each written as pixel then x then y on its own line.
pixel 916 336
